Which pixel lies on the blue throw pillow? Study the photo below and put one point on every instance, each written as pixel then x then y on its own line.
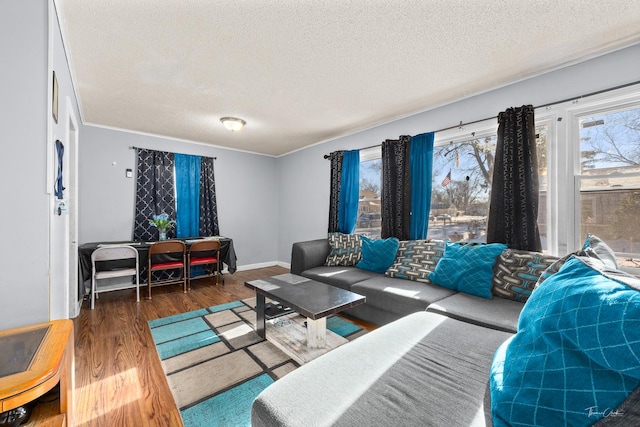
pixel 467 268
pixel 379 254
pixel 575 356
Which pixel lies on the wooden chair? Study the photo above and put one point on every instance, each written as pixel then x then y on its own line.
pixel 166 256
pixel 113 253
pixel 204 253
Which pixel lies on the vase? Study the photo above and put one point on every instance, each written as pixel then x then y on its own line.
pixel 163 235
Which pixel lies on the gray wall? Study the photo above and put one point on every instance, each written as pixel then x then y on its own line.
pixel 24 258
pixel 246 190
pixel 303 177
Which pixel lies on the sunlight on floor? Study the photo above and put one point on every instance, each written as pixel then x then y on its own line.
pixel 108 394
pixel 236 332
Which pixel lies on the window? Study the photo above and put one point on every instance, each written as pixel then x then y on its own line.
pixel 369 222
pixel 600 194
pixel 608 180
pixel 460 201
pixel 461 187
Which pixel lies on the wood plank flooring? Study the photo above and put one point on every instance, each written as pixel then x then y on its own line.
pixel 119 380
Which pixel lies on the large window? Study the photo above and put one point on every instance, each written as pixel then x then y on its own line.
pixel 461 187
pixel 608 180
pixel 600 194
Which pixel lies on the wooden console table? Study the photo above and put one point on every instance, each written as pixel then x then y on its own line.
pixel 33 359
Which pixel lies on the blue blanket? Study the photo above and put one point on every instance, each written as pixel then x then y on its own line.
pixel 576 355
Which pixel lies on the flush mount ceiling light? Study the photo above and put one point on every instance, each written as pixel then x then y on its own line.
pixel 233 123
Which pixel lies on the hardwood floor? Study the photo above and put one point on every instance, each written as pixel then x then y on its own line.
pixel 119 380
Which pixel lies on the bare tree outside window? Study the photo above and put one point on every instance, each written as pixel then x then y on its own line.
pixel 459 209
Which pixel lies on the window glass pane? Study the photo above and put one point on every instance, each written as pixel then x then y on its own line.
pixel 609 209
pixel 369 221
pixel 610 182
pixel 462 173
pixel 541 150
pixel 610 143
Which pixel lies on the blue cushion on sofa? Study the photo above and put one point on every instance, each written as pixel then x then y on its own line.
pixel 379 254
pixel 467 268
pixel 575 357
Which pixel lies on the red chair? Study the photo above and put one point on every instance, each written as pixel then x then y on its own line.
pixel 207 254
pixel 166 256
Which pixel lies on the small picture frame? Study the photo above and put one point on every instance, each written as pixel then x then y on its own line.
pixel 54 106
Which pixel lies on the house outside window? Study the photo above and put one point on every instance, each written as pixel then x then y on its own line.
pixel 369 222
pixel 607 179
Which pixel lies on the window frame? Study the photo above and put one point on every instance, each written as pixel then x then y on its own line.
pixel 575 111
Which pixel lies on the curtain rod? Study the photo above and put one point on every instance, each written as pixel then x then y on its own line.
pixel 131 147
pixel 326 156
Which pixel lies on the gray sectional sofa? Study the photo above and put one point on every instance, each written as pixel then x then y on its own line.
pixel 390 298
pixel 432 363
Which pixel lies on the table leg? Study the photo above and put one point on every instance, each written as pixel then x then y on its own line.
pixel 317 332
pixel 260 320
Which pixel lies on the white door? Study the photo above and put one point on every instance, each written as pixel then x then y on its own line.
pixel 75 296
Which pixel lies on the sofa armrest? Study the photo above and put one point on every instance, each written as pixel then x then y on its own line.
pixel 309 254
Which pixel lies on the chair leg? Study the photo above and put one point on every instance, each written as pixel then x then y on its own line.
pixel 137 287
pixel 185 280
pixel 93 292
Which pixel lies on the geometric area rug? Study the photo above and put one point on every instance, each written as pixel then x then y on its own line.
pixel 216 364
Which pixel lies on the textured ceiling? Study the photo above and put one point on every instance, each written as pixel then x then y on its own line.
pixel 305 71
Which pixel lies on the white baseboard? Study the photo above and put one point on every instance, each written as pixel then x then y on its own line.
pixel 262 265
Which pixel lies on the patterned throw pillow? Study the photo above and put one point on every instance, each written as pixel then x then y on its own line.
pixel 516 272
pixel 416 259
pixel 346 250
pixel 593 247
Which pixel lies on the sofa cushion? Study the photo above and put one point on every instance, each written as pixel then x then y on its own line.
pixel 575 356
pixel 516 272
pixel 416 259
pixel 378 254
pixel 341 277
pixel 346 250
pixel 398 295
pixel 497 313
pixel 423 369
pixel 467 268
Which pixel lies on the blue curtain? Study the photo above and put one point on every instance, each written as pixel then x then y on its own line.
pixel 421 165
pixel 349 192
pixel 187 195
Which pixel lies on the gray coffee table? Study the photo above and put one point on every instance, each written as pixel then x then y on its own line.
pixel 312 299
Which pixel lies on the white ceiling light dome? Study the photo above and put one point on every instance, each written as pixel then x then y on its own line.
pixel 234 124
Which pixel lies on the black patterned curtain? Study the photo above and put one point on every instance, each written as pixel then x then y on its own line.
pixel 396 188
pixel 155 192
pixel 208 204
pixel 513 213
pixel 334 197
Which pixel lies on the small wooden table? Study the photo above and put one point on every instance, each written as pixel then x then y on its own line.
pixel 33 359
pixel 314 300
